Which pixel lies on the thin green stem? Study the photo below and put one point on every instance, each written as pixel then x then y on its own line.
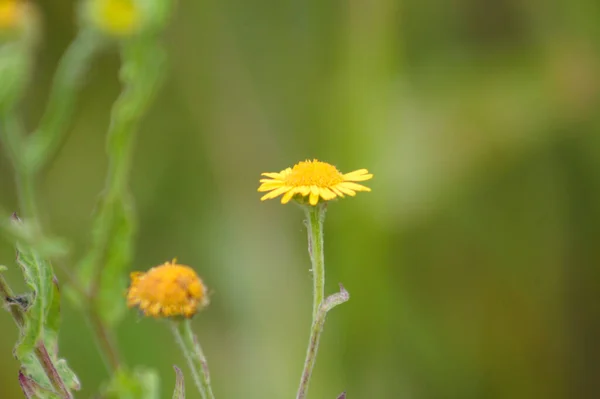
pixel 187 341
pixel 48 365
pixel 7 295
pixel 105 340
pixel 315 217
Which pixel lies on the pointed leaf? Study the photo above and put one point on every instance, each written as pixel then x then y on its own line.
pixel 179 392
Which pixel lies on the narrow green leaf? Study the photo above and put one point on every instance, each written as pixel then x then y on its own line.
pixel 179 392
pixel 113 277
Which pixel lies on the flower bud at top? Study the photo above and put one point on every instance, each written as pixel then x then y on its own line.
pixel 19 34
pixel 19 20
pixel 125 18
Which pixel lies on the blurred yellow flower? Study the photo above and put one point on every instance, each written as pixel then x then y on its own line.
pixel 117 17
pixel 314 179
pixel 9 13
pixel 168 290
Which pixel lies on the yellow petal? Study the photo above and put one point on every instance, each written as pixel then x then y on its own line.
pixel 272 175
pixel 354 186
pixel 269 186
pixel 304 190
pixel 314 195
pixel 346 190
pixel 357 172
pixel 314 198
pixel 270 181
pixel 337 191
pixel 327 194
pixel 285 172
pixel 275 193
pixel 288 196
pixel 359 175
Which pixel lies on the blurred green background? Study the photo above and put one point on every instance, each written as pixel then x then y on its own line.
pixel 473 265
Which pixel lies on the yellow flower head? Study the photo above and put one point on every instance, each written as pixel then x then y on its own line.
pixel 168 290
pixel 313 179
pixel 117 17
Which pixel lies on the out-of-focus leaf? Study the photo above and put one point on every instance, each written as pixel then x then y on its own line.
pixel 113 280
pixel 139 384
pixel 103 269
pixel 179 392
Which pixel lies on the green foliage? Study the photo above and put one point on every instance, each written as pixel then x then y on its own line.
pixel 137 384
pixel 41 322
pixel 113 277
pixel 103 270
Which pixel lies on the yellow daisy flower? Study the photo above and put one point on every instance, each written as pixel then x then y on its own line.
pixel 167 290
pixel 313 179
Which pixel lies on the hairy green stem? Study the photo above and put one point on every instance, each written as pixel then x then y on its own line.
pixel 188 342
pixel 315 216
pixel 7 296
pixel 48 365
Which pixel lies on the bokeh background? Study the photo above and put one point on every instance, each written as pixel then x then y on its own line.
pixel 473 264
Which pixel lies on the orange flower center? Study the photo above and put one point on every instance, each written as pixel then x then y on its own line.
pixel 314 173
pixel 167 290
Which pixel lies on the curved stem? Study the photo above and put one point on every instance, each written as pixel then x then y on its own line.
pixel 315 217
pixel 194 355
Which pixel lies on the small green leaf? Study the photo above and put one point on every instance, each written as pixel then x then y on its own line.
pixel 68 376
pixel 38 276
pixel 179 392
pixel 139 384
